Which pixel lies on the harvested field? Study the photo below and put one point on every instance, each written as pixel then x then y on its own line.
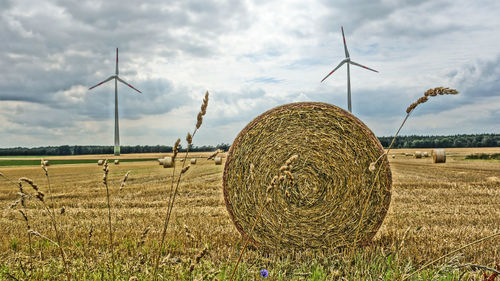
pixel 435 209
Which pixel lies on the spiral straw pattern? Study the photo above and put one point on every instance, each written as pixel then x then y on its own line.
pixel 322 205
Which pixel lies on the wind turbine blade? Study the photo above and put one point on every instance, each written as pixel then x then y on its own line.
pixel 119 79
pixel 340 64
pixel 365 67
pixel 111 77
pixel 345 45
pixel 116 61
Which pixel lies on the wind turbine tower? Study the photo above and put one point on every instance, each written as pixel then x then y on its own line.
pixel 348 61
pixel 116 78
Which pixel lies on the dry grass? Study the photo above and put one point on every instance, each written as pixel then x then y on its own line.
pixel 434 210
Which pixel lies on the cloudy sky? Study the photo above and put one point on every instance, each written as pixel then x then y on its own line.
pixel 250 55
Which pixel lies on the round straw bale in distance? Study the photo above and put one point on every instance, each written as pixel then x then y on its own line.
pixel 100 162
pixel 418 154
pixel 193 161
pixel 160 161
pixel 218 160
pixel 426 154
pixel 117 161
pixel 322 207
pixel 168 162
pixel 438 156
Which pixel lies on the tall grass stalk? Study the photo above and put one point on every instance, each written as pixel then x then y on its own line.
pixel 40 196
pixel 23 212
pixel 46 170
pixel 409 110
pixel 53 219
pixel 173 192
pixel 105 181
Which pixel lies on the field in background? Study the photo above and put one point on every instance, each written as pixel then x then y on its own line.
pixel 85 159
pixel 435 208
pixel 104 156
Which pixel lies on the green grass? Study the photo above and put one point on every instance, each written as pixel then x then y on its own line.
pixel 33 162
pixel 282 269
pixel 28 156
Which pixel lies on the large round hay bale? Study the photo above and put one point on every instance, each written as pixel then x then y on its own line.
pixel 117 162
pixel 193 161
pixel 218 160
pixel 160 161
pixel 438 156
pixel 418 154
pixel 426 154
pixel 322 207
pixel 100 162
pixel 168 162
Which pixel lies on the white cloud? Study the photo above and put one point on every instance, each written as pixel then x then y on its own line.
pixel 251 56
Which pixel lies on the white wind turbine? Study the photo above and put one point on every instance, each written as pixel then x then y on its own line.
pixel 348 61
pixel 116 78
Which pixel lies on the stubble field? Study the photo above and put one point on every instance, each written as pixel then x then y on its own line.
pixel 435 209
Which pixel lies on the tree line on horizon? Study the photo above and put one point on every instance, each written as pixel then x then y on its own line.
pixel 413 141
pixel 103 149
